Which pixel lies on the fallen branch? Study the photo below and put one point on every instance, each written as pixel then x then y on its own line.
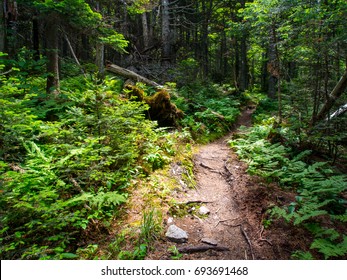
pixel 74 55
pixel 248 241
pixel 196 201
pixel 130 75
pixel 203 248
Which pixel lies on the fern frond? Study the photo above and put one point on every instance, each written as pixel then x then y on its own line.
pixel 330 249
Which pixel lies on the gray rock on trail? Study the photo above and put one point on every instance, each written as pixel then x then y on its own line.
pixel 176 234
pixel 204 210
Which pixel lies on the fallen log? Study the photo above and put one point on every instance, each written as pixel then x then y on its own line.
pixel 130 75
pixel 160 107
pixel 203 248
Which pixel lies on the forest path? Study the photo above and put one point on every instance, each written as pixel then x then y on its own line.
pixel 218 173
pixel 237 204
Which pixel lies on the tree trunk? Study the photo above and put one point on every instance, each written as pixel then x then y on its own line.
pixel 2 27
pixel 340 111
pixel 166 38
pixel 243 77
pixel 271 69
pixel 145 31
pixel 36 38
pixel 100 58
pixel 204 37
pixel 74 55
pixel 130 75
pixel 10 24
pixel 243 74
pixel 333 96
pixel 52 43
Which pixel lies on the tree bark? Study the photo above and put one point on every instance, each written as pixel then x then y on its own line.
pixel 244 64
pixel 2 27
pixel 338 112
pixel 243 74
pixel 36 38
pixel 166 38
pixel 130 75
pixel 100 58
pixel 333 96
pixel 52 43
pixel 145 30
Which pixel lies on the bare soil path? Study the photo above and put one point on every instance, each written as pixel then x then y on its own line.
pixel 237 203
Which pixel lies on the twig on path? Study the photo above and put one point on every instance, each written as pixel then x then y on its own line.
pixel 196 201
pixel 203 248
pixel 261 236
pixel 195 216
pixel 227 169
pixel 245 236
pixel 222 221
pixel 248 241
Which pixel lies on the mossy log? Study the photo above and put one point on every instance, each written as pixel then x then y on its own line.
pixel 160 107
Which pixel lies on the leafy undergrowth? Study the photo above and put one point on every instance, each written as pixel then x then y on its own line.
pixel 210 110
pixel 80 167
pixel 320 203
pixel 67 163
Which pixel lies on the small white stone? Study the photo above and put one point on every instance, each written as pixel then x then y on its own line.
pixel 176 234
pixel 204 210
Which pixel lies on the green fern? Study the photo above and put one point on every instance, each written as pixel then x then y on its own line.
pixel 319 188
pixel 329 248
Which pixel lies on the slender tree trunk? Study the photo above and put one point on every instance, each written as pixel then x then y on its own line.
pixel 279 74
pixel 11 15
pixel 74 55
pixel 204 38
pixel 36 38
pixel 271 68
pixel 243 77
pixel 100 58
pixel 166 34
pixel 145 31
pixel 52 44
pixel 243 74
pixel 2 27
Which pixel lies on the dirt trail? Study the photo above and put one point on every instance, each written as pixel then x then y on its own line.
pixel 236 201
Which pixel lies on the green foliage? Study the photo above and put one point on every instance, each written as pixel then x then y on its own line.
pixel 318 186
pixel 114 40
pixel 66 162
pixel 77 12
pixel 151 226
pixel 210 110
pixel 175 254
